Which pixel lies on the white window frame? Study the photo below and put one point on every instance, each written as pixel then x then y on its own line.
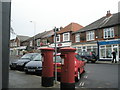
pixel 38 41
pixel 68 38
pixel 90 35
pixel 57 37
pixel 15 43
pixel 44 41
pixel 77 37
pixel 31 43
pixel 106 30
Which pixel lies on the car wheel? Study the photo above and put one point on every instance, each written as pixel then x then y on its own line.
pixel 78 77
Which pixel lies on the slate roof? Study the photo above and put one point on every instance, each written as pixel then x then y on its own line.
pixel 42 35
pixel 71 27
pixel 48 34
pixel 102 23
pixel 22 38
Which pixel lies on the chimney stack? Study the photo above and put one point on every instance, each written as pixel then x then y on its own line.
pixel 108 14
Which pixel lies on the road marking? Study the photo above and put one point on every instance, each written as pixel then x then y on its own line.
pixel 82 84
pixel 20 72
pixel 85 76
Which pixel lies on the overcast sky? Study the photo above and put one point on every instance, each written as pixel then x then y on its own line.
pixel 50 13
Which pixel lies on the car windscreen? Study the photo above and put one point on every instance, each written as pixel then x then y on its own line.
pixel 28 56
pixel 84 53
pixel 80 58
pixel 58 59
pixel 37 58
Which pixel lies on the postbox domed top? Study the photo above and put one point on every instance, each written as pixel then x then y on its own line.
pixel 68 49
pixel 47 49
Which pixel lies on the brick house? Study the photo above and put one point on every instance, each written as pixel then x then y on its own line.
pixel 33 42
pixel 64 35
pixel 16 45
pixel 101 36
pixel 39 40
pixel 46 39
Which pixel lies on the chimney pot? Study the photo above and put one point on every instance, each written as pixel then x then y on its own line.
pixel 108 13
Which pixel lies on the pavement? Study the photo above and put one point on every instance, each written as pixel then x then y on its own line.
pixel 106 62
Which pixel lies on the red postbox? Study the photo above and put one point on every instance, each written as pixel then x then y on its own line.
pixel 67 68
pixel 47 67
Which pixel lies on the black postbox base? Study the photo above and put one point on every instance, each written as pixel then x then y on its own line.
pixel 47 81
pixel 70 86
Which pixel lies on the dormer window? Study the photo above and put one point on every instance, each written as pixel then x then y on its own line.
pixel 66 36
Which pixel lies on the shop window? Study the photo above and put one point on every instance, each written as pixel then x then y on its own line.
pixel 108 51
pixel 105 51
pixel 95 49
pixel 102 53
pixel 89 49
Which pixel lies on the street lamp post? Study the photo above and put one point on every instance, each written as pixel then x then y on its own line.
pixel 34 31
pixel 55 29
pixel 97 47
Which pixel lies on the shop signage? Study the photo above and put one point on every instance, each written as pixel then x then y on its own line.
pixel 109 42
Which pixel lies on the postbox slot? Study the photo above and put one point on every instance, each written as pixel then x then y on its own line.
pixel 42 58
pixel 63 56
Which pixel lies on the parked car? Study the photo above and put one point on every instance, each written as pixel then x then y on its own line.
pixel 20 63
pixel 89 56
pixel 34 66
pixel 79 65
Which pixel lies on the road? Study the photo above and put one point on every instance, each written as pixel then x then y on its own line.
pixel 96 76
pixel 99 76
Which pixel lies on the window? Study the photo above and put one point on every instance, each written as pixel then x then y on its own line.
pixel 31 43
pixel 15 43
pixel 57 38
pixel 105 51
pixel 90 35
pixel 77 37
pixel 66 37
pixel 38 42
pixel 44 41
pixel 108 32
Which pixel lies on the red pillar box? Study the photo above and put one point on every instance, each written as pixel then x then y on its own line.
pixel 47 67
pixel 67 68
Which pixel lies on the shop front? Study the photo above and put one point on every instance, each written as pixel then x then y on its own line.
pixel 107 47
pixel 86 48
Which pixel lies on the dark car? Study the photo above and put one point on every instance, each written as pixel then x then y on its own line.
pixel 90 56
pixel 20 63
pixel 34 66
